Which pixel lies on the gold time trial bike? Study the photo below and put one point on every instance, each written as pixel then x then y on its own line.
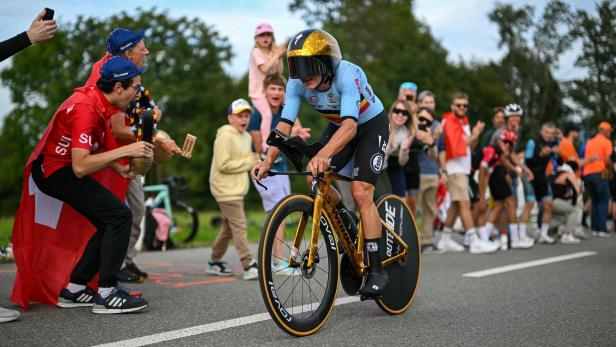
pixel 306 231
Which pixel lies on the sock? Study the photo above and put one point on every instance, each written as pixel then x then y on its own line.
pixel 446 231
pixel 513 230
pixel 104 292
pixel 75 288
pixel 544 229
pixel 522 231
pixel 372 246
pixel 485 231
pixel 470 235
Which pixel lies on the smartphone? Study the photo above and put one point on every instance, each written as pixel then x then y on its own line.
pixel 48 14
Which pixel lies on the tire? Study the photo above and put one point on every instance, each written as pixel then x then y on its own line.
pixel 291 299
pixel 403 274
pixel 185 220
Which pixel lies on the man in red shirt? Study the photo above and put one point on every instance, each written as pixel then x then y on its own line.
pixel 596 177
pixel 76 146
pixel 131 45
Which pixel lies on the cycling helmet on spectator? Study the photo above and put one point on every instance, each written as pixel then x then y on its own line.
pixel 513 110
pixel 313 52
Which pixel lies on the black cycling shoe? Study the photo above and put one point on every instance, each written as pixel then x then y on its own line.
pixel 126 275
pixel 118 301
pixel 134 269
pixel 82 298
pixel 374 285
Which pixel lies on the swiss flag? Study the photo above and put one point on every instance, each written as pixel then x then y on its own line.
pixel 49 236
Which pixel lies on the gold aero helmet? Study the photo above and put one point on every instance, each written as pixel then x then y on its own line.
pixel 313 52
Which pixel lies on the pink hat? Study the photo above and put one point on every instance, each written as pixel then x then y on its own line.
pixel 264 28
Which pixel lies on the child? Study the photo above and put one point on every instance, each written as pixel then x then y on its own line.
pixel 265 59
pixel 231 162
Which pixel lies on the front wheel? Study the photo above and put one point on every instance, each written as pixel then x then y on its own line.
pixel 403 273
pixel 299 298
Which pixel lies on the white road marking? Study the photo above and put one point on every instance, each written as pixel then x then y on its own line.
pixel 207 328
pixel 528 264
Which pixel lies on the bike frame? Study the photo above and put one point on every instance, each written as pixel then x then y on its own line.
pixel 322 203
pixel 162 196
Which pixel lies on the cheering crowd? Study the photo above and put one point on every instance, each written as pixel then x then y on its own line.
pixel 456 176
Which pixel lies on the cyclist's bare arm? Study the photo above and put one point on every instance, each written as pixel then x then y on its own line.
pixel 342 136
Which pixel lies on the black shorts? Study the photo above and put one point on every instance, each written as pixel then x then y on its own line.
pixel 412 182
pixel 473 189
pixel 367 149
pixel 499 187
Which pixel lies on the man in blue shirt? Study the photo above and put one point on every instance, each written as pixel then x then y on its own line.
pixel 355 140
pixel 278 187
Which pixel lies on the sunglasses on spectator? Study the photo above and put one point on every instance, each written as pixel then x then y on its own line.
pixel 425 120
pixel 461 105
pixel 508 143
pixel 401 112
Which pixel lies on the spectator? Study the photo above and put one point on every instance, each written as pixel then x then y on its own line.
pixel 429 175
pixel 566 191
pixel 407 91
pixel 402 128
pixel 596 177
pixel 62 169
pixel 538 154
pixel 498 121
pixel 459 139
pixel 278 187
pixel 409 158
pixel 125 129
pixel 265 59
pixel 39 31
pixel 231 162
pixel 426 100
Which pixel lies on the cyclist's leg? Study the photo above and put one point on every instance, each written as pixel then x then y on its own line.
pixel 371 140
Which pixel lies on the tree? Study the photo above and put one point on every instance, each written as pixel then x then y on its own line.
pixel 533 50
pixel 184 74
pixel 596 92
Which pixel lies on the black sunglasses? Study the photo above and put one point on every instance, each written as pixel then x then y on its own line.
pixel 401 112
pixel 461 105
pixel 425 120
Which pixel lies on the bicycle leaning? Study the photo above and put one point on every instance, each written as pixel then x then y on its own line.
pixel 184 218
pixel 301 301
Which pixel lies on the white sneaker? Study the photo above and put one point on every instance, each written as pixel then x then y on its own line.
pixel 282 269
pixel 569 239
pixel 504 242
pixel 547 240
pixel 479 247
pixel 447 244
pixel 251 272
pixel 524 243
pixel 580 233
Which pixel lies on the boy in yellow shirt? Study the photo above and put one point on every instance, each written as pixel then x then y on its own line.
pixel 229 184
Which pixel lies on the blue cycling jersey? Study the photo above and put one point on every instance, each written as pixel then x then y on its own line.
pixel 350 96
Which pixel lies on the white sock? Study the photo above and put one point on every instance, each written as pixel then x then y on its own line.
pixel 513 230
pixel 485 231
pixel 446 231
pixel 75 288
pixel 104 291
pixel 522 231
pixel 544 229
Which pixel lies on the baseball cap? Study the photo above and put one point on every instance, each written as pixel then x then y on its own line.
pixel 121 40
pixel 408 85
pixel 120 69
pixel 264 28
pixel 238 106
pixel 605 126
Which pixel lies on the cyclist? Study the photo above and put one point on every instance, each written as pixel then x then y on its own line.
pixel 355 140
